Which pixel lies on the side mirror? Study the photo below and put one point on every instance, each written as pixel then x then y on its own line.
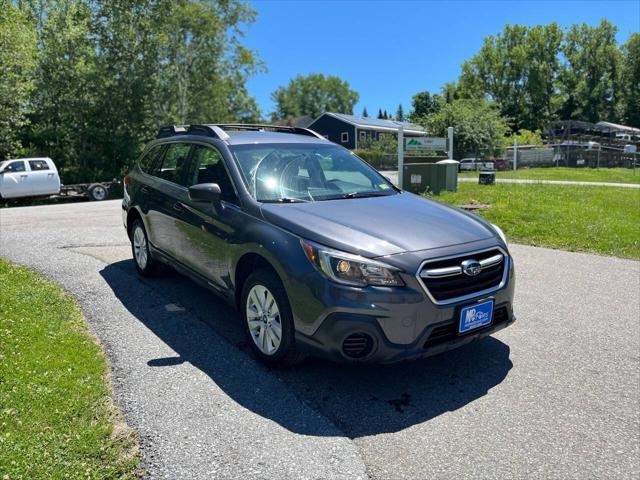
pixel 205 192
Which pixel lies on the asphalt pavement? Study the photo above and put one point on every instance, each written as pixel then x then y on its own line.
pixel 554 396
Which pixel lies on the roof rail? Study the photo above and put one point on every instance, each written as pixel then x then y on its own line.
pixel 171 130
pixel 271 128
pixel 218 130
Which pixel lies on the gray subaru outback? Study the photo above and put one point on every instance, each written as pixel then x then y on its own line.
pixel 319 253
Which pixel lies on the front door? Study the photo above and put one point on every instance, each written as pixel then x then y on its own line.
pixel 14 180
pixel 208 230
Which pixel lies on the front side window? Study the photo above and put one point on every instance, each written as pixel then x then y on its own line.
pixel 207 166
pixel 38 165
pixel 174 164
pixel 15 167
pixel 307 172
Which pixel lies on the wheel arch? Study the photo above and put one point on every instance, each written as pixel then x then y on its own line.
pixel 248 263
pixel 132 215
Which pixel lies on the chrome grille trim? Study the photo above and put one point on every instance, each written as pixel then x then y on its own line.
pixel 442 273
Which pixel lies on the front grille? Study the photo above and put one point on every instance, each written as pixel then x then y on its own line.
pixel 449 331
pixel 450 282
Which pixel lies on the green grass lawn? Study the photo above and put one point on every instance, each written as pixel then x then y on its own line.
pixel 617 175
pixel 604 220
pixel 56 416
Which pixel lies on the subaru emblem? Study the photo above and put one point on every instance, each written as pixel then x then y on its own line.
pixel 471 267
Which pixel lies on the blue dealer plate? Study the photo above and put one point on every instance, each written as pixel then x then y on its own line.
pixel 476 316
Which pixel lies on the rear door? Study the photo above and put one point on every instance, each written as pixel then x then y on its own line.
pixel 44 179
pixel 164 193
pixel 14 180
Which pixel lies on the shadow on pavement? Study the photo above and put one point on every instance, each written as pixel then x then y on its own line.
pixel 361 400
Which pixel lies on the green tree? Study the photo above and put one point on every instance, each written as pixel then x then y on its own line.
pixel 423 104
pixel 477 124
pixel 202 65
pixel 365 114
pixel 380 117
pixel 62 117
pixel 630 98
pixel 590 79
pixel 517 69
pixel 17 61
pixel 313 95
pixel 400 113
pixel 524 137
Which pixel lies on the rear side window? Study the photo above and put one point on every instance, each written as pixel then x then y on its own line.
pixel 208 167
pixel 174 163
pixel 151 159
pixel 15 167
pixel 38 165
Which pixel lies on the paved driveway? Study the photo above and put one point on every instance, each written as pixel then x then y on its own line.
pixel 554 396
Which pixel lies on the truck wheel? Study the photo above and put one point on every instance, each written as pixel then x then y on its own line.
pixel 97 192
pixel 268 322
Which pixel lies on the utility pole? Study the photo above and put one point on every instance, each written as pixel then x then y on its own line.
pixel 515 155
pixel 400 156
pixel 450 136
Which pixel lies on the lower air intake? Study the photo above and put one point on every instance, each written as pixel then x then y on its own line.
pixel 357 345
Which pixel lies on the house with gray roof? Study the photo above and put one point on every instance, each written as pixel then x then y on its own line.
pixel 348 130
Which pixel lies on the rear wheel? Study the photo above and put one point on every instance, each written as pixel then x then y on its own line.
pixel 145 264
pixel 268 321
pixel 97 192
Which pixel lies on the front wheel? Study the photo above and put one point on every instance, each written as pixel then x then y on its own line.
pixel 268 321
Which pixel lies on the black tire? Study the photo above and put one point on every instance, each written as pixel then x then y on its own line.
pixel 150 267
pixel 286 353
pixel 97 192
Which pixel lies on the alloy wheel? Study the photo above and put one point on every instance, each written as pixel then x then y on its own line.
pixel 263 318
pixel 140 247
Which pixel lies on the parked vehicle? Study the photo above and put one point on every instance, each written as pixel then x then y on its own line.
pixel 318 251
pixel 38 177
pixel 475 164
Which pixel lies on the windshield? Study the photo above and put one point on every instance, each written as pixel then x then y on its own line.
pixel 307 172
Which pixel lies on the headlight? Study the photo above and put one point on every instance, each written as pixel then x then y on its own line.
pixel 350 269
pixel 500 233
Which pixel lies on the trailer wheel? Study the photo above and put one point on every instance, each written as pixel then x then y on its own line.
pixel 97 192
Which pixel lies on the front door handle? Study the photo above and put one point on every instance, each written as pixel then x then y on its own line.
pixel 178 207
pixel 145 189
pixel 23 176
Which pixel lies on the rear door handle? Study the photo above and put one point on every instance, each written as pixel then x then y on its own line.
pixel 145 189
pixel 179 207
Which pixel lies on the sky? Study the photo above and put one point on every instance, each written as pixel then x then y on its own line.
pixel 390 50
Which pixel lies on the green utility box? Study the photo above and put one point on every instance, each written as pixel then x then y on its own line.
pixel 435 177
pixel 452 167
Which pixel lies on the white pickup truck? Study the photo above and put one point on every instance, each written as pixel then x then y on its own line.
pixel 38 177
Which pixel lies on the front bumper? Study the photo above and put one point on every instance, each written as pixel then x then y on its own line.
pixel 436 338
pixel 403 324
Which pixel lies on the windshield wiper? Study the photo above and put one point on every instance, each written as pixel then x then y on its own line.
pixel 285 200
pixel 364 194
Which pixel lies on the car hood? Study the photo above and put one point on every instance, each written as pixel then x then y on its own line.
pixel 379 226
